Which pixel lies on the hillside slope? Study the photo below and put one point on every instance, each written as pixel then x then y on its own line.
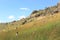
pixel 44 29
pixel 35 14
pixel 40 25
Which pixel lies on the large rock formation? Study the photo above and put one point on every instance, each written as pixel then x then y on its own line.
pixel 38 13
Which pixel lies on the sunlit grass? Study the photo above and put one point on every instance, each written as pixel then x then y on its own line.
pixel 44 29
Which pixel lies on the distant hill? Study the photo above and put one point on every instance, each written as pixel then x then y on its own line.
pixel 39 25
pixel 35 14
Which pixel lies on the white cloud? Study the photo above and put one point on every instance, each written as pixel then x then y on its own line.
pixel 21 17
pixel 24 9
pixel 11 17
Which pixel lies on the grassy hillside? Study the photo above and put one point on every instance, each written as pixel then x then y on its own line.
pixel 37 14
pixel 40 25
pixel 46 28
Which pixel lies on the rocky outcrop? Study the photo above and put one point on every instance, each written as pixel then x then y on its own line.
pixel 23 21
pixel 38 13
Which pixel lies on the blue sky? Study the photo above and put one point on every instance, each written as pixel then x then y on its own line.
pixel 16 9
